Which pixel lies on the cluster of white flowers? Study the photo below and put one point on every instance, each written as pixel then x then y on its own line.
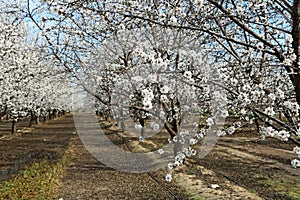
pixel 147 98
pixel 179 159
pixel 160 151
pixel 269 111
pixel 292 106
pixel 173 20
pixel 271 132
pixel 257 94
pixel 289 59
pixel 141 139
pixel 246 87
pixel 210 121
pixel 298 133
pixel 198 2
pixel 296 150
pixel 180 139
pixel 165 89
pixel 283 135
pixel 189 152
pixel 147 93
pixel 193 141
pixel 164 98
pixel 187 75
pixel 280 93
pixel 224 113
pixel 234 81
pixel 272 97
pixel 181 66
pixel 221 133
pixel 201 134
pixel 168 178
pixel 295 163
pixel 230 130
pixel 243 97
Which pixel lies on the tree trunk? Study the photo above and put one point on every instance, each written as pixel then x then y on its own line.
pixel 122 120
pixel 297 86
pixel 123 125
pixel 178 146
pixel 49 114
pixel 296 44
pixel 14 126
pixel 30 122
pixel 173 131
pixel 54 114
pixel 33 119
pixel 142 123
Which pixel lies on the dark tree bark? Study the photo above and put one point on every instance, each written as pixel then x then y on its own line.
pixel 296 44
pixel 14 126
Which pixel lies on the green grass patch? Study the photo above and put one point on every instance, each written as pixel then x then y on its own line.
pixel 252 190
pixel 39 181
pixel 193 195
pixel 289 186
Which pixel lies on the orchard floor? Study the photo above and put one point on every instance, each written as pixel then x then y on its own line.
pixel 243 167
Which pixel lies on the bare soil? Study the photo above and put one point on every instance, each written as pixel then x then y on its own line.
pixel 254 164
pixel 87 178
pixel 45 141
pixel 243 167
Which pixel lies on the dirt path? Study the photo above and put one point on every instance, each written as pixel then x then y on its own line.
pixel 87 178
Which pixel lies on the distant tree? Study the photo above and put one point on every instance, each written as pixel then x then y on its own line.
pixel 29 84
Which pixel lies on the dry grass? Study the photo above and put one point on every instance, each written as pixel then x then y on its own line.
pixel 39 181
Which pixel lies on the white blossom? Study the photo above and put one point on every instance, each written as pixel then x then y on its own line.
pixel 160 151
pixel 210 122
pixel 187 74
pixel 269 111
pixel 168 178
pixel 295 163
